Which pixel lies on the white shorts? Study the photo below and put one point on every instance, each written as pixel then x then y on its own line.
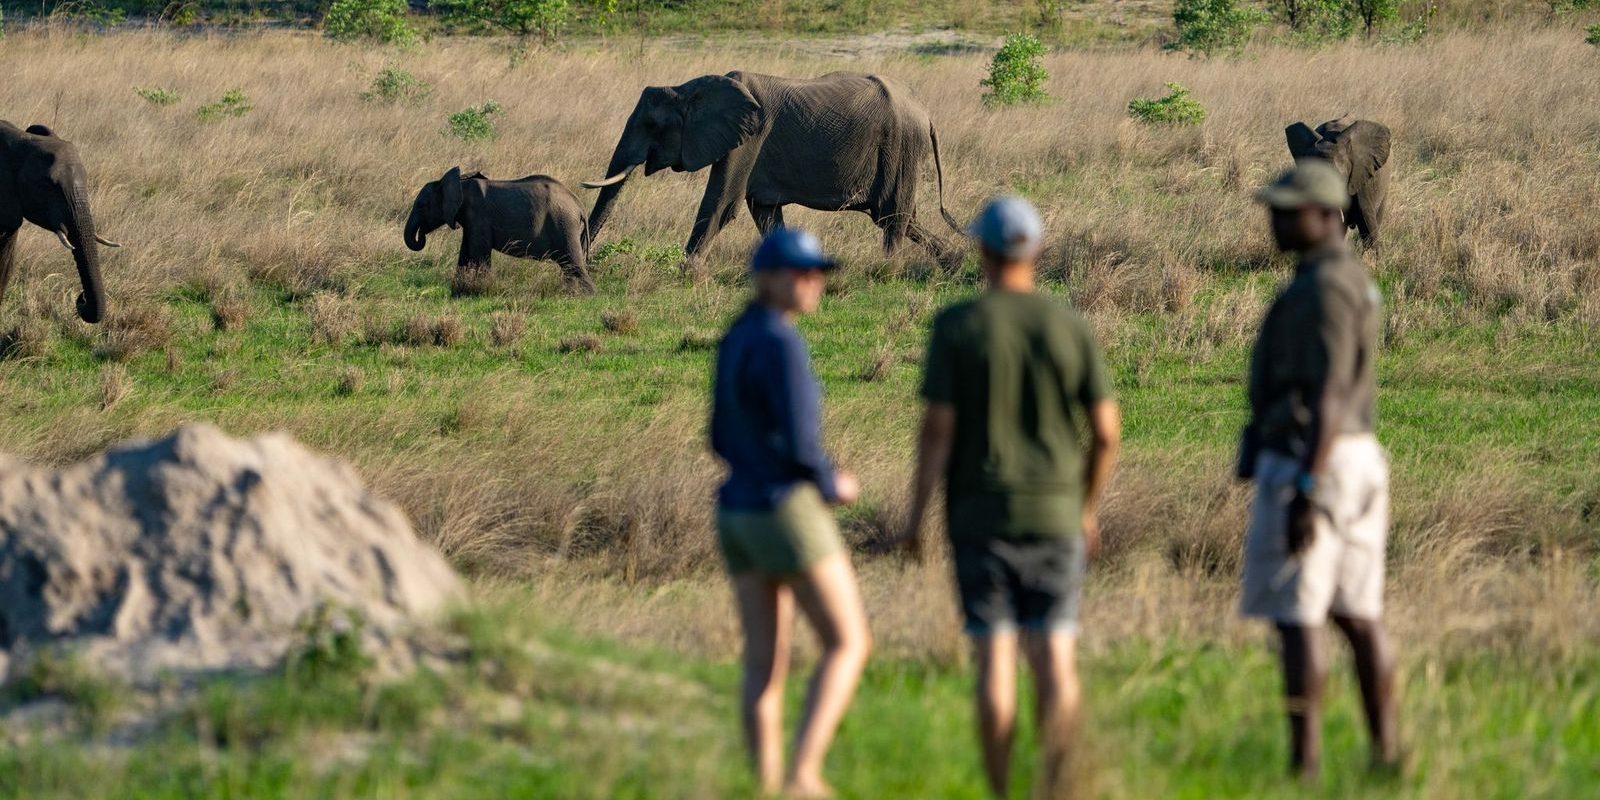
pixel 1342 570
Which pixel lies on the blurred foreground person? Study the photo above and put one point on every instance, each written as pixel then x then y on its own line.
pixel 774 522
pixel 1320 519
pixel 1010 379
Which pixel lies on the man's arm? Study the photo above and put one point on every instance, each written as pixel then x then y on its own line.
pixel 933 455
pixel 1326 390
pixel 1105 427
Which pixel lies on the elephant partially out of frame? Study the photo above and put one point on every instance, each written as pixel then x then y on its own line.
pixel 42 181
pixel 842 142
pixel 1359 150
pixel 533 217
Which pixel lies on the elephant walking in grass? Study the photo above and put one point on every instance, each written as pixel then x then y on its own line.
pixel 842 142
pixel 534 217
pixel 42 181
pixel 1359 150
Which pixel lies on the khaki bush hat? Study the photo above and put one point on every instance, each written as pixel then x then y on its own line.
pixel 1310 182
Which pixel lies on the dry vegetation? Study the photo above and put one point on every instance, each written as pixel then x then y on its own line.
pixel 1497 178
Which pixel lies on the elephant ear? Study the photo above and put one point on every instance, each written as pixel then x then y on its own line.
pixel 450 194
pixel 719 115
pixel 40 130
pixel 1369 149
pixel 1302 140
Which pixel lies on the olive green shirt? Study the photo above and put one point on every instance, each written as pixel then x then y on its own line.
pixel 1021 371
pixel 1321 334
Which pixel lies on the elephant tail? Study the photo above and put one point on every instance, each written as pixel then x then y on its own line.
pixel 938 170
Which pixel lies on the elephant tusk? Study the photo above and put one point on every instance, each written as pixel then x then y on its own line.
pixel 611 181
pixel 64 241
pixel 104 242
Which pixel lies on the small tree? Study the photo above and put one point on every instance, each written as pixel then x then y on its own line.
pixel 372 20
pixel 1318 18
pixel 1206 26
pixel 1374 13
pixel 1015 74
pixel 472 124
pixel 523 18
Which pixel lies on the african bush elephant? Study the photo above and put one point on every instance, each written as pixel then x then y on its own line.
pixel 1359 149
pixel 43 181
pixel 534 217
pixel 842 142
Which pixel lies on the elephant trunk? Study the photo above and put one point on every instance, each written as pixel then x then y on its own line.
pixel 86 252
pixel 415 238
pixel 623 162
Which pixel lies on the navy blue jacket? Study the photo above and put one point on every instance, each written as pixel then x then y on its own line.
pixel 766 413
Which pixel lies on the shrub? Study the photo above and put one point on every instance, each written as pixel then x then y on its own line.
pixel 2 22
pixel 1207 26
pixel 1177 108
pixel 370 20
pixel 158 96
pixel 472 124
pixel 523 18
pixel 1374 13
pixel 1015 74
pixel 397 86
pixel 580 343
pixel 232 104
pixel 1318 19
pixel 507 328
pixel 1594 35
pixel 1569 6
pixel 622 323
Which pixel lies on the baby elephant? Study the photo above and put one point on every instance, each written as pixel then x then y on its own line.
pixel 1359 150
pixel 533 217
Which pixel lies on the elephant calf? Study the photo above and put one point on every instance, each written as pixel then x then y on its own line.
pixel 1359 150
pixel 534 217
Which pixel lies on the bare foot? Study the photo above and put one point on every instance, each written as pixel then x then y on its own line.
pixel 814 789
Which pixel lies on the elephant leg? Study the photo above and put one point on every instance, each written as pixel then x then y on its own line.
pixel 8 259
pixel 725 191
pixel 948 255
pixel 766 217
pixel 574 264
pixel 473 263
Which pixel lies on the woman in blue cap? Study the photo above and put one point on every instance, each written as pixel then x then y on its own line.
pixel 775 523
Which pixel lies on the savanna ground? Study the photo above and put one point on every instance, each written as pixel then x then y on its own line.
pixel 553 447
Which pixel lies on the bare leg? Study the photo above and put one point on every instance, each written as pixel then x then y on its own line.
pixel 766 611
pixel 828 596
pixel 1375 667
pixel 1305 671
pixel 1053 657
pixel 997 705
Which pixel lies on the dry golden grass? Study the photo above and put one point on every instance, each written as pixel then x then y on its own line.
pixel 1496 176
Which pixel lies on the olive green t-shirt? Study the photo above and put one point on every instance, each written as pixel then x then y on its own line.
pixel 1321 334
pixel 1021 371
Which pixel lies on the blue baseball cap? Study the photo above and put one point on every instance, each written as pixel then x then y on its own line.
pixel 1008 227
pixel 790 248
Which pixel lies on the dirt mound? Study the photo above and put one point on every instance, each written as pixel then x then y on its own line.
pixel 201 552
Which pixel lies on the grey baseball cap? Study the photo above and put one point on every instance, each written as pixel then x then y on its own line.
pixel 1008 227
pixel 1311 182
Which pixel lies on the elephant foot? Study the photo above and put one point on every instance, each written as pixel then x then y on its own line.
pixel 471 282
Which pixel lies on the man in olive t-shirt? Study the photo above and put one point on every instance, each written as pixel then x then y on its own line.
pixel 1011 379
pixel 1318 526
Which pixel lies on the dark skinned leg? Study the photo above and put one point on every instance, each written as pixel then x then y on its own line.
pixel 1374 657
pixel 1305 671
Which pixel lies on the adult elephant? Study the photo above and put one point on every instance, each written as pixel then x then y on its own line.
pixel 1359 150
pixel 43 181
pixel 842 142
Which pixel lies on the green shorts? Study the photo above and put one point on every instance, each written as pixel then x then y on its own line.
pixel 784 541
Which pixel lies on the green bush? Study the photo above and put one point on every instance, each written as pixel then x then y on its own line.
pixel 158 96
pixel 369 20
pixel 1374 14
pixel 1569 6
pixel 1015 74
pixel 1318 19
pixel 1594 35
pixel 397 86
pixel 472 124
pixel 1208 26
pixel 2 22
pixel 523 18
pixel 1177 108
pixel 232 104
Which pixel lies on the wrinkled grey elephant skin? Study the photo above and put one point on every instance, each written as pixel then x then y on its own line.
pixel 42 181
pixel 1359 150
pixel 534 217
pixel 842 142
